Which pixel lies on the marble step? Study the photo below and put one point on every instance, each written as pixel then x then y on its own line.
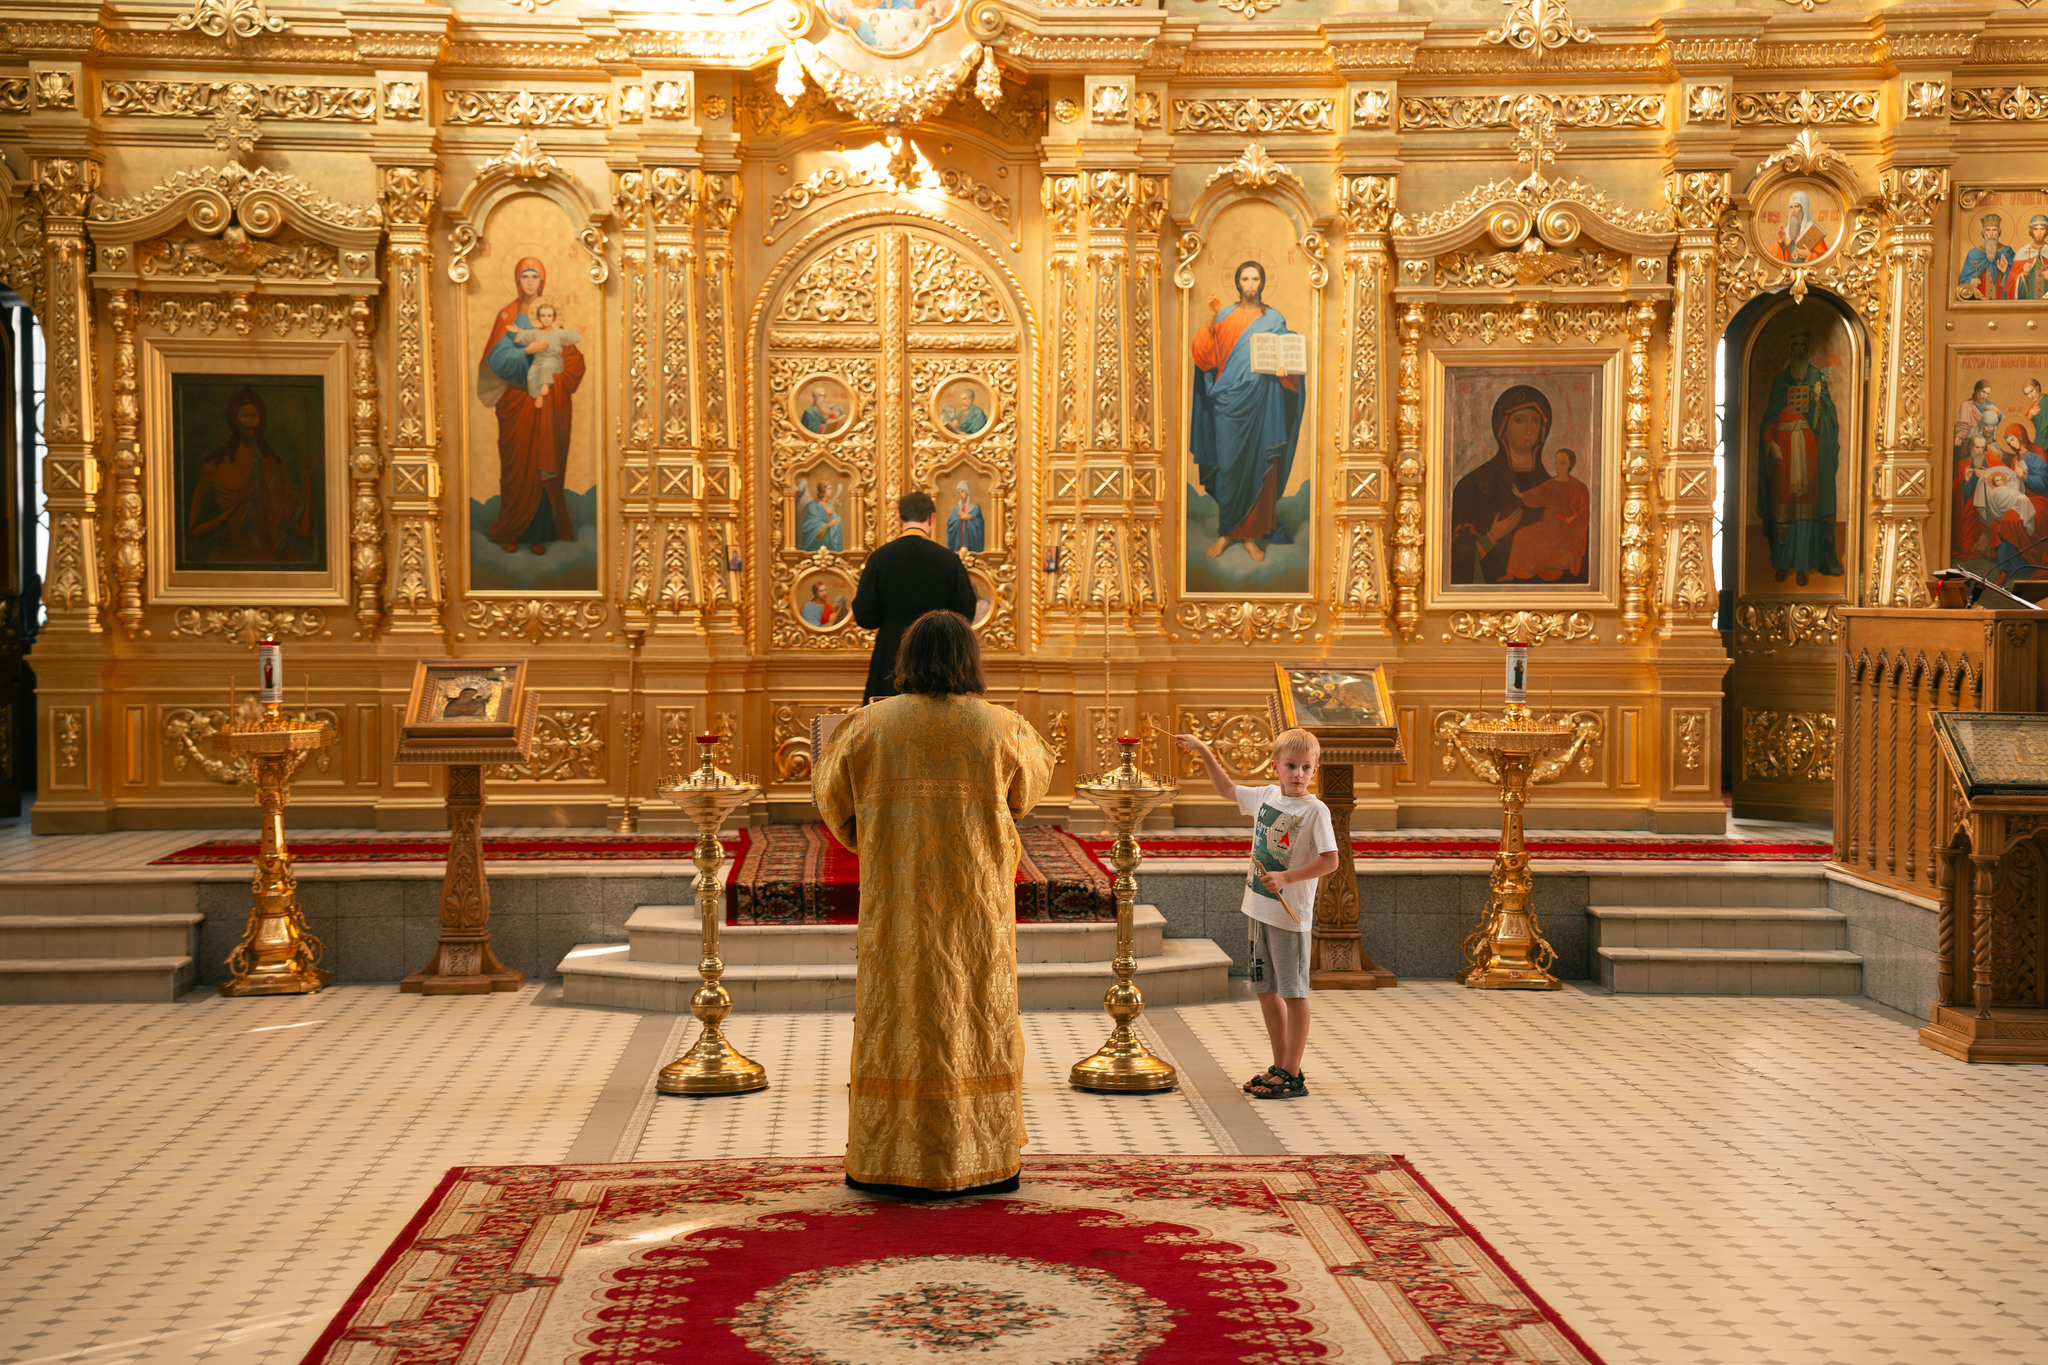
pixel 1676 884
pixel 97 936
pixel 1185 971
pixel 72 980
pixel 1797 927
pixel 1730 971
pixel 673 933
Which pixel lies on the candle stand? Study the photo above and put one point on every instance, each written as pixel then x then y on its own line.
pixel 1126 794
pixel 277 956
pixel 712 1066
pixel 1514 751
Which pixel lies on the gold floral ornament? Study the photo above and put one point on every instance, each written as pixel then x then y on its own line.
pixel 233 20
pixel 1538 27
pixel 885 101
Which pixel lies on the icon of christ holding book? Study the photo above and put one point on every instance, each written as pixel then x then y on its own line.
pixel 1249 376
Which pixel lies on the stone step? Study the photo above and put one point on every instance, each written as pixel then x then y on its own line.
pixel 97 936
pixel 1730 971
pixel 1789 885
pixel 1802 927
pixel 1185 971
pixel 72 980
pixel 673 933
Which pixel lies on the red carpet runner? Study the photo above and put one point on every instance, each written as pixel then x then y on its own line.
pixel 1699 848
pixel 1095 1261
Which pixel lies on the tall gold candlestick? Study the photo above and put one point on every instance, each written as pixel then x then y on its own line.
pixel 277 954
pixel 712 1066
pixel 1126 794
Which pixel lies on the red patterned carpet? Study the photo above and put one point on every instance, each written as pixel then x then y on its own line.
pixel 1095 1261
pixel 1682 848
pixel 433 848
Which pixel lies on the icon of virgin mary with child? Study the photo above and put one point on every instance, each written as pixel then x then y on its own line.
pixel 534 419
pixel 1512 519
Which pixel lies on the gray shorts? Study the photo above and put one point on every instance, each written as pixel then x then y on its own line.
pixel 1279 960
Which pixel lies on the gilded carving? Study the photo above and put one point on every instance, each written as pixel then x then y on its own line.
pixel 1803 107
pixel 1589 728
pixel 1926 99
pixel 1246 622
pixel 888 101
pixel 1706 104
pixel 1529 324
pixel 14 95
pixel 1764 627
pixel 1692 740
pixel 1242 740
pixel 405 101
pixel 1788 744
pixel 366 469
pixel 1538 27
pixel 1531 627
pixel 202 99
pixel 946 290
pixel 191 735
pixel 1635 469
pixel 1998 104
pixel 1253 170
pixel 247 625
pixel 524 160
pixel 523 108
pixel 1253 115
pixel 1483 112
pixel 1532 263
pixel 127 461
pixel 837 287
pixel 568 746
pixel 239 193
pixel 1110 102
pixel 233 20
pixel 533 620
pixel 55 90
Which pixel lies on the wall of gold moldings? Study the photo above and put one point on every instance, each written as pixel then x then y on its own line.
pixel 743 219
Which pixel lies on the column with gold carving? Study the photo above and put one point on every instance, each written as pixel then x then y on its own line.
pixel 637 406
pixel 1904 482
pixel 1366 204
pixel 718 348
pixel 365 470
pixel 683 573
pixel 72 591
pixel 417 590
pixel 1408 477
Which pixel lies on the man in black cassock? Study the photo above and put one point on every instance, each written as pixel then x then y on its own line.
pixel 903 580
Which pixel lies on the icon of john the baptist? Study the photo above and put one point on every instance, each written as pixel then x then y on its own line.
pixel 1489 508
pixel 1244 427
pixel 247 507
pixel 533 428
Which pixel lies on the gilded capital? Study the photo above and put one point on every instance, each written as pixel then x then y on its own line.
pixel 409 193
pixel 67 184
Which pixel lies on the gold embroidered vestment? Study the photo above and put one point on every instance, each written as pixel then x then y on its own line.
pixel 926 791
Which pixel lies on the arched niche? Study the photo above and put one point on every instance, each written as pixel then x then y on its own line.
pixel 526 169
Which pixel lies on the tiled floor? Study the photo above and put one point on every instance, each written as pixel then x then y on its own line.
pixel 1690 1181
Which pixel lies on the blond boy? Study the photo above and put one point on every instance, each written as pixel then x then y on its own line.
pixel 1294 846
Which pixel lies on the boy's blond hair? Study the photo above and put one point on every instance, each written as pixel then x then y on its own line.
pixel 1295 741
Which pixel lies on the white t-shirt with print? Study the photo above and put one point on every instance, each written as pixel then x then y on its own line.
pixel 1287 831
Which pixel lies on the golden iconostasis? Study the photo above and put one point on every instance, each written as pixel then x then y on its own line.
pixel 1223 336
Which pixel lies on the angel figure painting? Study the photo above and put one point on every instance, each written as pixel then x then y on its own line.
pixel 889 28
pixel 533 426
pixel 249 461
pixel 820 512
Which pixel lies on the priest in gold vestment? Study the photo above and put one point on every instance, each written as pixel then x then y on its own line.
pixel 926 787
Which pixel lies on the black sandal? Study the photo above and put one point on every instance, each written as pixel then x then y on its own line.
pixel 1266 1078
pixel 1290 1087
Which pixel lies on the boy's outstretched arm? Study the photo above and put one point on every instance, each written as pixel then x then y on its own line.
pixel 1218 778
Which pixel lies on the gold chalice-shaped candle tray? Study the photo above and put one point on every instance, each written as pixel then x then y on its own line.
pixel 1126 794
pixel 712 1066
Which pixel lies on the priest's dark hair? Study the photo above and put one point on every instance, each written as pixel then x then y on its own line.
pixel 940 657
pixel 916 505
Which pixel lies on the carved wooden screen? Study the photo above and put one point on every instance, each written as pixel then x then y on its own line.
pixel 892 360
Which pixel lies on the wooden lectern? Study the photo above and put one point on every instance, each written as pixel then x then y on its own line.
pixel 1992 973
pixel 1351 713
pixel 461 716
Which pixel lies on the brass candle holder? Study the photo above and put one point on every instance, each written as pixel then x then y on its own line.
pixel 277 955
pixel 712 1066
pixel 1126 794
pixel 1514 750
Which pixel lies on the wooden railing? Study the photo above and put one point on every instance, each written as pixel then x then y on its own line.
pixel 1893 802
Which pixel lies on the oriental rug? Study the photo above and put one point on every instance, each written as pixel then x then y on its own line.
pixel 1664 848
pixel 800 874
pixel 1279 1260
